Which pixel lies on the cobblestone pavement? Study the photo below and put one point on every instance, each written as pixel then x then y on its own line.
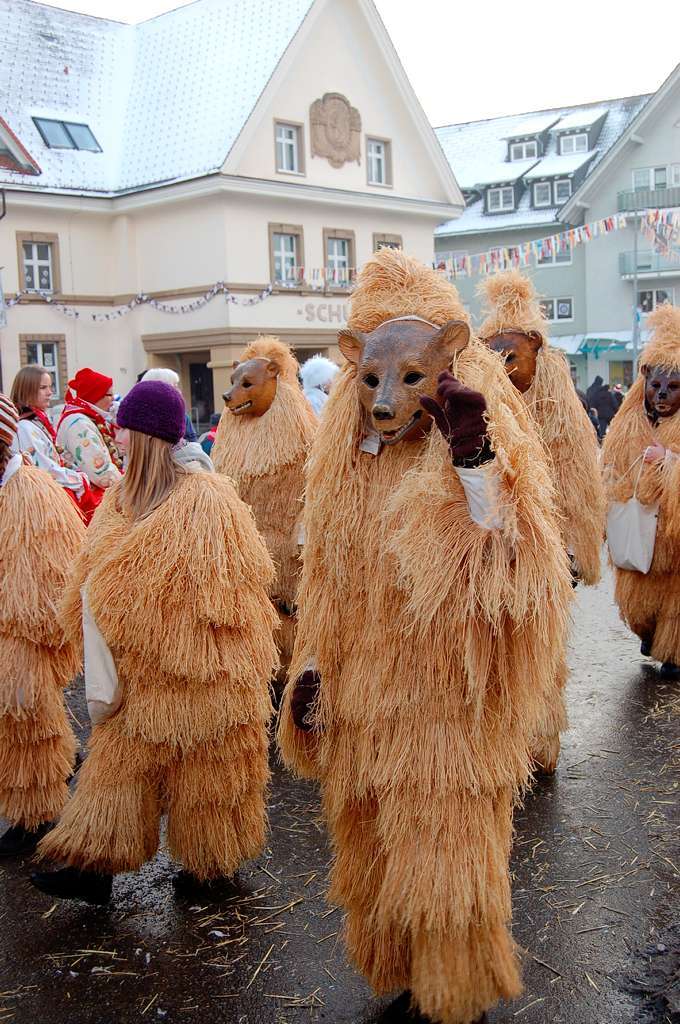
pixel 596 892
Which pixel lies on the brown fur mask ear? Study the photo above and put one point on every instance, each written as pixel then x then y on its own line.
pixel 272 369
pixel 235 364
pixel 351 344
pixel 454 336
pixel 535 339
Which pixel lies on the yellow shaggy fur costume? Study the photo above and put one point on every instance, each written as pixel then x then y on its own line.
pixel 434 640
pixel 181 600
pixel 562 422
pixel 265 457
pixel 40 536
pixel 650 604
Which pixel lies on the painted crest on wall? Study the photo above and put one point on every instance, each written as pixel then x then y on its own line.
pixel 335 129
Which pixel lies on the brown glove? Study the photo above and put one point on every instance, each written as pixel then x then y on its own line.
pixel 305 693
pixel 459 414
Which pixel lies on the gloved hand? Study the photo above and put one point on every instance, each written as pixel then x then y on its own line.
pixel 459 414
pixel 305 692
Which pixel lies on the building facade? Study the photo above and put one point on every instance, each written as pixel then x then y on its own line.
pixel 266 152
pixel 531 176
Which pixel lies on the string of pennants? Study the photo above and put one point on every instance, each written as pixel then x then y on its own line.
pixel 660 227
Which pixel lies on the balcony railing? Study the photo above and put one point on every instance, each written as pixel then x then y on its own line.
pixel 648 199
pixel 649 263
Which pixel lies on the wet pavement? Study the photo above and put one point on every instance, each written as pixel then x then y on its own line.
pixel 596 892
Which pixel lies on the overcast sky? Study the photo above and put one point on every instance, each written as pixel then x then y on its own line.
pixel 481 59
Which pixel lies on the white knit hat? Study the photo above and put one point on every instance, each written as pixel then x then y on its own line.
pixel 9 420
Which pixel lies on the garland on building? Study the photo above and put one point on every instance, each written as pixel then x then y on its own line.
pixel 661 228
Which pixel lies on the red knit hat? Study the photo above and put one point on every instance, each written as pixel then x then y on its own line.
pixel 90 385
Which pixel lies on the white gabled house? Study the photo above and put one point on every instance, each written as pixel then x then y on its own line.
pixel 270 145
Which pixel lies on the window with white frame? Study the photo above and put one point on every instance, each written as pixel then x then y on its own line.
pixel 288 155
pixel 558 310
pixel 378 161
pixel 45 353
pixel 554 256
pixel 339 253
pixel 574 143
pixel 562 190
pixel 66 135
pixel 285 257
pixel 542 193
pixel 38 272
pixel 524 150
pixel 661 176
pixel 500 199
pixel 648 300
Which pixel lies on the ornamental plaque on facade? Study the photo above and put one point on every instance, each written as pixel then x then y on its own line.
pixel 335 129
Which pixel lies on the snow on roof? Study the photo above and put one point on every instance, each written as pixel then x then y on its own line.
pixel 582 117
pixel 473 147
pixel 166 99
pixel 556 165
pixel 504 171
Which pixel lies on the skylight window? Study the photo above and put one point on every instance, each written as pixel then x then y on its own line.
pixel 66 135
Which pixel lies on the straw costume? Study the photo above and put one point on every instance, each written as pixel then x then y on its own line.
pixel 433 640
pixel 561 420
pixel 180 599
pixel 650 603
pixel 265 456
pixel 40 536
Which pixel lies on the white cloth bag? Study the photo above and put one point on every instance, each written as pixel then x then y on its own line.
pixel 102 688
pixel 631 531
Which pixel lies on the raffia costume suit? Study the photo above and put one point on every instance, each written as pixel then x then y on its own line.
pixel 433 638
pixel 40 536
pixel 650 603
pixel 265 457
pixel 180 598
pixel 570 444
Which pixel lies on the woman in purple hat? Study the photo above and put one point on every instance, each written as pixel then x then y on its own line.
pixel 171 594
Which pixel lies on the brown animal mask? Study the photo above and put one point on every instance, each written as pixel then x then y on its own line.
pixel 662 391
pixel 397 363
pixel 519 350
pixel 253 387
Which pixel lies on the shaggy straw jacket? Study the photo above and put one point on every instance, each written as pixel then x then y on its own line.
pixel 180 597
pixel 560 418
pixel 265 457
pixel 40 536
pixel 153 408
pixel 650 604
pixel 434 640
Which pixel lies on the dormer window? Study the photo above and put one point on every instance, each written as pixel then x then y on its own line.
pixel 524 150
pixel 66 135
pixel 562 190
pixel 570 144
pixel 542 193
pixel 498 199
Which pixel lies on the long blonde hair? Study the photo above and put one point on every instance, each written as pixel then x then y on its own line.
pixel 150 475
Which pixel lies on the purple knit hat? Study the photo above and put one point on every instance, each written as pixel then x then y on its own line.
pixel 153 408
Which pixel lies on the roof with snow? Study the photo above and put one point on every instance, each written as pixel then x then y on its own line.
pixel 473 147
pixel 166 99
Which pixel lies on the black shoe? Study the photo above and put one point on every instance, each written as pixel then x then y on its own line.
pixel 77 765
pixel 401 1011
pixel 188 887
pixel 18 840
pixel 72 884
pixel 669 668
pixel 646 648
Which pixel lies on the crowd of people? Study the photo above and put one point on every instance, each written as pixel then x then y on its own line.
pixel 389 551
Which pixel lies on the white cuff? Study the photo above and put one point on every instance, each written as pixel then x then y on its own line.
pixel 482 490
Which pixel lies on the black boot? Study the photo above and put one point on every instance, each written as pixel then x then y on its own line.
pixel 188 887
pixel 669 668
pixel 18 840
pixel 646 648
pixel 72 884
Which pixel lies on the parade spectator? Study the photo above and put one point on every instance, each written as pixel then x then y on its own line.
pixel 618 395
pixel 171 593
pixel 207 440
pixel 317 376
pixel 601 398
pixel 40 536
pixel 31 393
pixel 168 376
pixel 86 433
